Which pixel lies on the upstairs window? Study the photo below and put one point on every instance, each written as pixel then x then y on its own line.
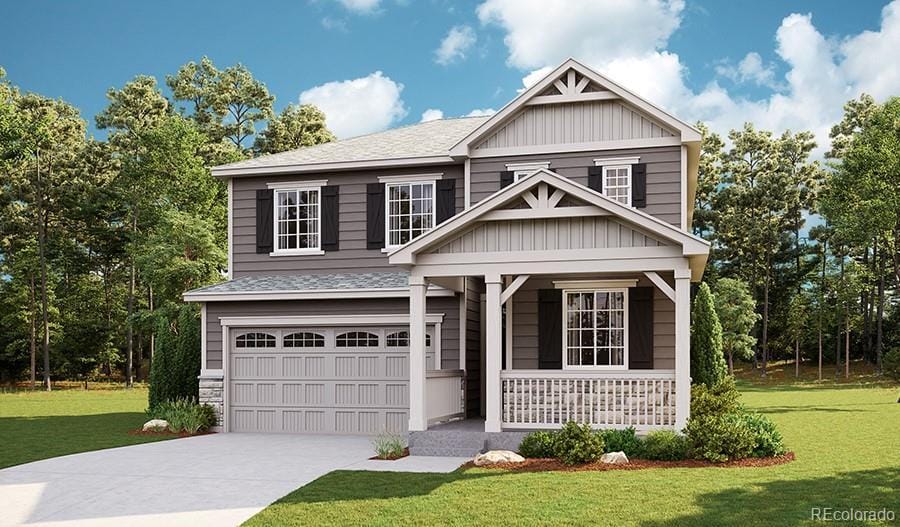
pixel 410 211
pixel 297 220
pixel 617 183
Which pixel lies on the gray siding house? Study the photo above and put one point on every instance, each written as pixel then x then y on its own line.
pixel 517 271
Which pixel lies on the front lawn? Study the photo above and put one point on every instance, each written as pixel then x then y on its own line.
pixel 38 425
pixel 846 437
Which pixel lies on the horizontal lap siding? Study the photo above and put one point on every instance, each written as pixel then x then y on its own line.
pixel 663 175
pixel 448 306
pixel 525 325
pixel 353 255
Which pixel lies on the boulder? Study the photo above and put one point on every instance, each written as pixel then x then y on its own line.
pixel 156 425
pixel 614 458
pixel 494 457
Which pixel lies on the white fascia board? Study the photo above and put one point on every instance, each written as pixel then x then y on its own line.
pixel 595 284
pixel 411 178
pixel 624 160
pixel 299 168
pixel 561 148
pixel 530 165
pixel 327 320
pixel 289 185
pixel 318 294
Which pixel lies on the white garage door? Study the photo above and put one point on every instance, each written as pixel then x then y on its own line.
pixel 339 380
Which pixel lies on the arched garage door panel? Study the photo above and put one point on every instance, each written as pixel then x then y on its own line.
pixel 319 380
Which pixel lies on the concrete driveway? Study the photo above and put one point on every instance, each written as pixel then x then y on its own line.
pixel 217 479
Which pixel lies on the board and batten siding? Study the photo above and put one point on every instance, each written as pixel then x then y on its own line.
pixel 577 122
pixel 663 175
pixel 525 325
pixel 352 255
pixel 448 306
pixel 552 234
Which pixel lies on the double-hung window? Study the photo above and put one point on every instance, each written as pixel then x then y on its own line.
pixel 617 183
pixel 298 220
pixel 596 323
pixel 410 211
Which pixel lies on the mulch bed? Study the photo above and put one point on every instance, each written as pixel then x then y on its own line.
pixel 166 433
pixel 543 465
pixel 392 458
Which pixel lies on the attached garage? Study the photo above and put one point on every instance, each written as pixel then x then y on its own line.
pixel 319 379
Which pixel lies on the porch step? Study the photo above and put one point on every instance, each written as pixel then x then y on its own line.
pixel 461 443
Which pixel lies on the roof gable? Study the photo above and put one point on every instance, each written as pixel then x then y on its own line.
pixel 543 191
pixel 574 104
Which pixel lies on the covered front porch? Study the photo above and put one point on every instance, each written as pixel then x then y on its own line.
pixel 585 308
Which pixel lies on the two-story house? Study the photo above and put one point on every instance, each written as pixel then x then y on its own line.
pixel 527 269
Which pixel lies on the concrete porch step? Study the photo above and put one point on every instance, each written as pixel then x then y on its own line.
pixel 461 438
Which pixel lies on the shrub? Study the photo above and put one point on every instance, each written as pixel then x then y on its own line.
pixel 576 444
pixel 890 364
pixel 176 359
pixel 388 446
pixel 184 415
pixel 767 441
pixel 622 441
pixel 541 444
pixel 720 438
pixel 665 445
pixel 720 399
pixel 707 361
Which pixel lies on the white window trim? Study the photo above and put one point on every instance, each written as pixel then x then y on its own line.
pixel 411 178
pixel 521 170
pixel 628 186
pixel 297 185
pixel 601 161
pixel 388 247
pixel 308 251
pixel 565 330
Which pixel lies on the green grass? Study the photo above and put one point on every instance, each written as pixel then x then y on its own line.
pixel 38 425
pixel 846 438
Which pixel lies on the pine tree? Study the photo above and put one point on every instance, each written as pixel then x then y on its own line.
pixel 707 360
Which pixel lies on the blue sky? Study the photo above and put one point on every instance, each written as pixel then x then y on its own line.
pixel 781 64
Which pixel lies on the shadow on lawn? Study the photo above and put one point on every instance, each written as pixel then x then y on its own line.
pixel 792 502
pixel 347 485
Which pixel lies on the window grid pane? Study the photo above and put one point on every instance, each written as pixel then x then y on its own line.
pixel 410 211
pixel 298 219
pixel 595 328
pixel 617 184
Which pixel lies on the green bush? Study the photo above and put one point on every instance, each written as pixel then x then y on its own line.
pixel 176 359
pixel 576 444
pixel 720 399
pixel 767 441
pixel 890 364
pixel 622 441
pixel 707 359
pixel 665 445
pixel 540 444
pixel 184 415
pixel 388 446
pixel 720 438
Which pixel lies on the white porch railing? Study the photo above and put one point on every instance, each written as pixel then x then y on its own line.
pixel 444 394
pixel 547 399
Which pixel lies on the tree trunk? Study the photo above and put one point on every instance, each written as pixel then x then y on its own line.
pixel 879 319
pixel 820 343
pixel 42 256
pixel 847 346
pixel 730 362
pixel 765 327
pixel 32 336
pixel 865 302
pixel 129 359
pixel 797 358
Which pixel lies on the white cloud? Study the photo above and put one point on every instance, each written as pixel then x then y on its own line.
pixel 431 114
pixel 363 7
pixel 481 112
pixel 534 76
pixel 335 24
pixel 358 106
pixel 820 73
pixel 456 44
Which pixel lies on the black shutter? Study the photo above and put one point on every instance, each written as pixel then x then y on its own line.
pixel 375 216
pixel 640 328
pixel 639 185
pixel 445 202
pixel 550 329
pixel 595 178
pixel 506 179
pixel 330 218
pixel 265 209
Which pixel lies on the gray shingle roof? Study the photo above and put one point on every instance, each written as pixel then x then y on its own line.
pixel 432 138
pixel 307 282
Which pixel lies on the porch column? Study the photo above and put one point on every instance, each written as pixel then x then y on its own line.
pixel 493 357
pixel 682 347
pixel 417 418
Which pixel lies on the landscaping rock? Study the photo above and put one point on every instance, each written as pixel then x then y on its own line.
pixel 614 458
pixel 156 425
pixel 498 456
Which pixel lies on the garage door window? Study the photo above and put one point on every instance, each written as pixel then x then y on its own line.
pixel 255 340
pixel 400 339
pixel 357 339
pixel 304 339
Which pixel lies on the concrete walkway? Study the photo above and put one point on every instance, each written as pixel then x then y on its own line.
pixel 217 479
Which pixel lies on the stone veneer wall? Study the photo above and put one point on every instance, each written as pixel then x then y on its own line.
pixel 212 393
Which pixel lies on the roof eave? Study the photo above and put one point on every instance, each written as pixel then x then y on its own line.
pixel 336 166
